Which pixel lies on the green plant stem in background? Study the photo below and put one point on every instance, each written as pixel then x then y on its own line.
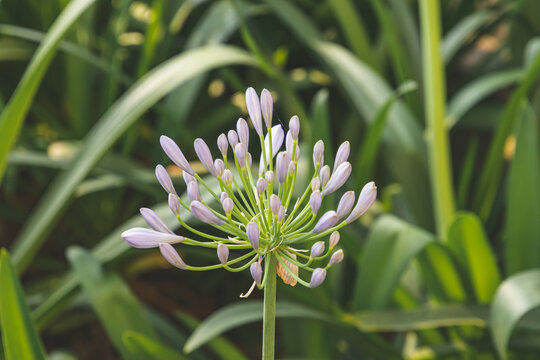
pixel 269 316
pixel 434 89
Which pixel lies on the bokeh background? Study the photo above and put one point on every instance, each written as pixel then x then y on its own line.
pixel 446 264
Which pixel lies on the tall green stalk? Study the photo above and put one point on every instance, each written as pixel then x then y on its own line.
pixel 434 88
pixel 269 316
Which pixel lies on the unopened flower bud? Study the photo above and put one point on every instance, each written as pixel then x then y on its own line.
pixel 175 154
pixel 220 167
pixel 164 179
pixel 249 159
pixel 294 127
pixel 174 204
pixel 261 186
pixel 317 277
pixel 297 154
pixel 228 206
pixel 252 231
pixel 291 168
pixel 242 129
pixel 241 152
pixel 154 221
pixel 315 184
pixel 193 191
pixel 267 105
pixel 201 212
pixel 227 177
pixel 204 154
pixel 187 177
pixel 233 138
pixel 256 272
pixel 275 203
pixel 324 175
pixel 340 176
pixel 334 239
pixel 282 165
pixel 223 196
pixel 222 144
pixel 318 153
pixel 223 253
pixel 315 201
pixel 342 154
pixel 317 249
pixel 289 142
pixel 143 238
pixel 172 256
pixel 365 200
pixel 269 176
pixel 345 204
pixel 254 110
pixel 281 214
pixel 277 140
pixel 326 221
pixel 336 258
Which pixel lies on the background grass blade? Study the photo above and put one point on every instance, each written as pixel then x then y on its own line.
pixel 12 118
pixel 141 96
pixel 19 337
pixel 150 349
pixel 462 32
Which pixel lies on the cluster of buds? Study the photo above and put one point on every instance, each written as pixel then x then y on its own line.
pixel 256 214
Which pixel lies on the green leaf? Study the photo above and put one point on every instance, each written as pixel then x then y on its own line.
pixel 113 302
pixel 517 295
pixel 139 98
pixel 462 32
pixel 243 313
pixel 19 337
pixel 148 348
pixel 522 233
pixel 468 241
pixel 12 117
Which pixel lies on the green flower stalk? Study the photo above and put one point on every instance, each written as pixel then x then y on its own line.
pixel 272 233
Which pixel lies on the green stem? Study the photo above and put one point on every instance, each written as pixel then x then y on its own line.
pixel 434 89
pixel 269 316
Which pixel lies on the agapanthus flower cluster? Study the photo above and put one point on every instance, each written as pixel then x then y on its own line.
pixel 257 214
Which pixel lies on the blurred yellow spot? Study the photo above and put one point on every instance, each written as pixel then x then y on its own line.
pixel 61 150
pixel 488 43
pixel 280 56
pixel 46 132
pixel 131 38
pixel 319 77
pixel 216 88
pixel 140 11
pixel 239 100
pixel 299 74
pixel 509 147
pixel 175 171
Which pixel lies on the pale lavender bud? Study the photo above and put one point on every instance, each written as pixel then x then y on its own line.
pixel 275 203
pixel 318 153
pixel 241 152
pixel 204 154
pixel 317 249
pixel 220 166
pixel 326 221
pixel 317 277
pixel 174 204
pixel 291 168
pixel 256 272
pixel 175 154
pixel 143 238
pixel 267 105
pixel 315 184
pixel 227 177
pixel 187 177
pixel 249 159
pixel 277 140
pixel 252 231
pixel 193 191
pixel 172 256
pixel 297 154
pixel 282 165
pixel 345 204
pixel 294 126
pixel 223 253
pixel 254 110
pixel 324 175
pixel 228 206
pixel 334 239
pixel 233 138
pixel 201 212
pixel 242 129
pixel 281 213
pixel 223 196
pixel 222 144
pixel 269 176
pixel 336 258
pixel 340 176
pixel 154 221
pixel 365 200
pixel 342 154
pixel 164 179
pixel 261 186
pixel 315 201
pixel 289 142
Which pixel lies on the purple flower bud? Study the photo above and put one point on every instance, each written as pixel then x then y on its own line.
pixel 233 138
pixel 175 154
pixel 228 205
pixel 315 201
pixel 256 272
pixel 204 214
pixel 254 110
pixel 334 239
pixel 223 196
pixel 317 249
pixel 261 186
pixel 267 105
pixel 222 144
pixel 164 179
pixel 340 176
pixel 326 221
pixel 154 221
pixel 204 154
pixel 174 204
pixel 242 129
pixel 281 214
pixel 277 140
pixel 345 204
pixel 365 200
pixel 317 277
pixel 193 191
pixel 187 177
pixel 241 152
pixel 223 253
pixel 275 203
pixel 324 175
pixel 294 126
pixel 227 177
pixel 252 231
pixel 289 142
pixel 315 184
pixel 220 166
pixel 342 154
pixel 269 176
pixel 172 256
pixel 318 153
pixel 282 165
pixel 143 238
pixel 336 258
pixel 291 168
